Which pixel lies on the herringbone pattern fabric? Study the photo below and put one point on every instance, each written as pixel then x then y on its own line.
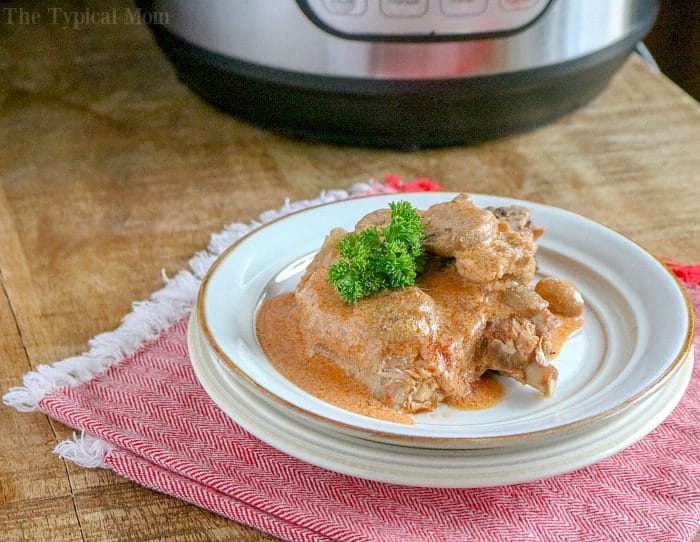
pixel 169 436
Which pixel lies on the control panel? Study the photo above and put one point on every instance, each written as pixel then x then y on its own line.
pixel 422 19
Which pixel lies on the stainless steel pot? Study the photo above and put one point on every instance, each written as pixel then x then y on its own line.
pixel 402 73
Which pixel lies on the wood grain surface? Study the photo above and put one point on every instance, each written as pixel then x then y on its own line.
pixel 111 170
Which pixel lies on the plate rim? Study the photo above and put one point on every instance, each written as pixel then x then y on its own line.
pixel 483 440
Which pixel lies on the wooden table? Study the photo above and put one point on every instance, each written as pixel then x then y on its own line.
pixel 111 170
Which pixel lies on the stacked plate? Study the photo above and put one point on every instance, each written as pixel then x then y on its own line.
pixel 619 377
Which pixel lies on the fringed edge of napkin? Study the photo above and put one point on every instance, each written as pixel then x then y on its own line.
pixel 690 274
pixel 145 322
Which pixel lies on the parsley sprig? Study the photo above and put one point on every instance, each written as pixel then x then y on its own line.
pixel 372 261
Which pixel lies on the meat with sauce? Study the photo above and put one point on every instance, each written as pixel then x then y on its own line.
pixel 471 311
pixel 485 248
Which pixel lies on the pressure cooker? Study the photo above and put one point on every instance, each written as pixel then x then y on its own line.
pixel 398 73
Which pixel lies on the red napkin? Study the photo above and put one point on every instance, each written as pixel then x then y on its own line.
pixel 145 416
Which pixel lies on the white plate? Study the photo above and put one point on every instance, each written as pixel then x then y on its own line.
pixel 423 466
pixel 638 326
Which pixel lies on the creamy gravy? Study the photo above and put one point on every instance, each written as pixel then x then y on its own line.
pixel 486 392
pixel 279 333
pixel 568 325
pixel 277 328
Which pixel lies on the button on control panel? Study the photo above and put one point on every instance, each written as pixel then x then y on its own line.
pixel 509 5
pixel 421 19
pixel 404 8
pixel 459 8
pixel 346 7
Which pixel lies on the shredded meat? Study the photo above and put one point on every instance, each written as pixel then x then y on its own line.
pixel 378 219
pixel 471 311
pixel 388 341
pixel 518 218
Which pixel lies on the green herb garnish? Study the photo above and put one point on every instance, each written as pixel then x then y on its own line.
pixel 371 261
